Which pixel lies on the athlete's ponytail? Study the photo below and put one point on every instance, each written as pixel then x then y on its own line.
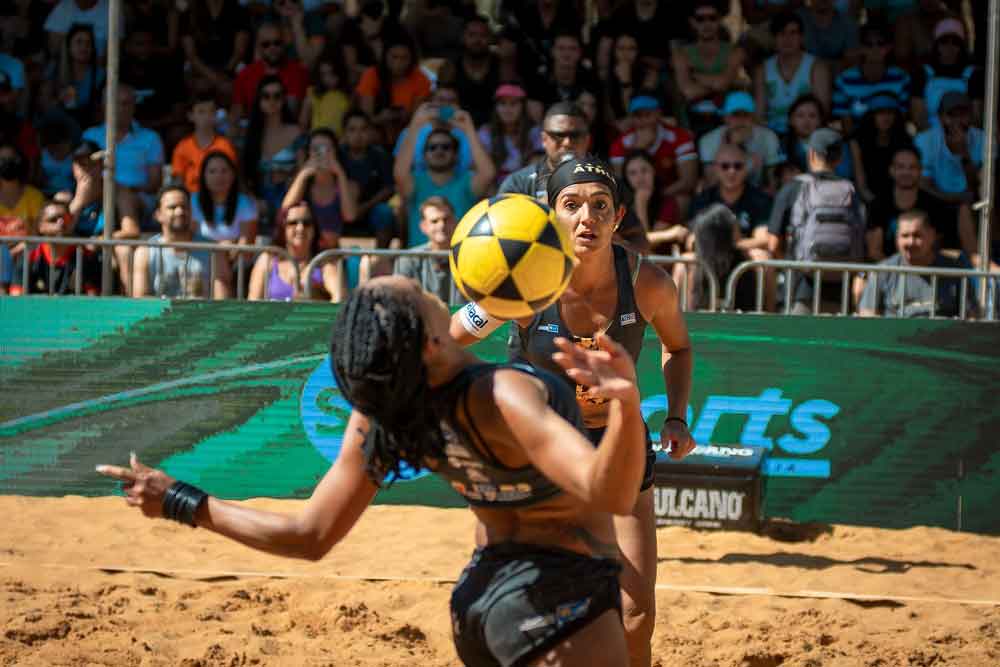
pixel 376 358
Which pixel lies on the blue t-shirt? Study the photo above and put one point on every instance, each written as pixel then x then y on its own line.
pixel 419 162
pixel 6 265
pixel 943 166
pixel 458 192
pixel 140 149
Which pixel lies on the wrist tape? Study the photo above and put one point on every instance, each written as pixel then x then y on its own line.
pixel 477 321
pixel 181 502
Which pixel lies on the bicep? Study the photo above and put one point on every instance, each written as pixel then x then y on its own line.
pixel 657 289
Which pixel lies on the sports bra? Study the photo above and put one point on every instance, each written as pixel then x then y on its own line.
pixel 470 467
pixel 534 343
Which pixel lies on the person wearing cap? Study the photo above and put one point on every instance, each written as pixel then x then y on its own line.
pixel 952 154
pixel 788 74
pixel 671 147
pixel 477 72
pixel 826 149
pixel 510 137
pixel 615 287
pixel 739 127
pixel 914 32
pixel 855 86
pixel 949 69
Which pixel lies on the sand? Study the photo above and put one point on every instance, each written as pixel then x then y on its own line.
pixel 171 595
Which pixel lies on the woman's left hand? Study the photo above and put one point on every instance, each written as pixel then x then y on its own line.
pixel 144 487
pixel 676 439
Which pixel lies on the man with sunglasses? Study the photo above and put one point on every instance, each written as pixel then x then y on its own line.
pixel 854 87
pixel 565 131
pixel 272 59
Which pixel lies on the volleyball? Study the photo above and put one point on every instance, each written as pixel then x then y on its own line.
pixel 509 255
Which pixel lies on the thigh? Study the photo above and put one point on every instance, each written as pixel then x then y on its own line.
pixel 599 644
pixel 636 534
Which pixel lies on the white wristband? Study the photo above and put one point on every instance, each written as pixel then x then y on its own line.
pixel 477 321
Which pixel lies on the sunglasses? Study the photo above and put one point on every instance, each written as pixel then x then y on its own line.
pixel 730 166
pixel 268 44
pixel 706 18
pixel 434 148
pixel 572 135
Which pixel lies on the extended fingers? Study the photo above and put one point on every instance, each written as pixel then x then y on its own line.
pixel 118 472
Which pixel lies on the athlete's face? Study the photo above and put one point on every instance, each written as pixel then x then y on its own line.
pixel 588 211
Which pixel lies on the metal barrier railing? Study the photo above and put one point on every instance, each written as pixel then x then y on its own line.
pixel 326 255
pixel 81 245
pixel 816 270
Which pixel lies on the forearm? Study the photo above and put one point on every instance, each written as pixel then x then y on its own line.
pixel 677 370
pixel 297 190
pixel 277 534
pixel 620 460
pixel 348 200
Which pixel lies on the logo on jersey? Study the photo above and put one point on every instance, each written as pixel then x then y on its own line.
pixel 550 328
pixel 627 318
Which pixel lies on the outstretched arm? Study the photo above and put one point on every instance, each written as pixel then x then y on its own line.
pixel 335 506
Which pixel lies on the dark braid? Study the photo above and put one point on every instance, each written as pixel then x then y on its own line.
pixel 376 357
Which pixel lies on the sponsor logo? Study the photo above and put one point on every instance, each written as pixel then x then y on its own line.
pixel 627 318
pixel 722 451
pixel 564 613
pixel 550 328
pixel 707 504
pixel 474 316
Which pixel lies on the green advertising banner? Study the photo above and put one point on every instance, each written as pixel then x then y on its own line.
pixel 868 421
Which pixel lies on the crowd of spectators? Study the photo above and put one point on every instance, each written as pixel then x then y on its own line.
pixel 313 124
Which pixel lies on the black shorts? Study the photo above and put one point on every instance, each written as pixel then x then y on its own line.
pixel 595 435
pixel 514 601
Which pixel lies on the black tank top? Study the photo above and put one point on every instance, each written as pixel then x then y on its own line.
pixel 534 343
pixel 470 466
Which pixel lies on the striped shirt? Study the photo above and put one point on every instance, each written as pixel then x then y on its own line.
pixel 852 91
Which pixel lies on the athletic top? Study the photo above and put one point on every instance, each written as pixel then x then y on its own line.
pixel 470 466
pixel 534 343
pixel 782 94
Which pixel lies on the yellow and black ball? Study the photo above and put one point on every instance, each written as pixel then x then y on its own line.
pixel 510 256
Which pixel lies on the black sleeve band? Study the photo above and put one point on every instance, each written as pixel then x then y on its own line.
pixel 181 502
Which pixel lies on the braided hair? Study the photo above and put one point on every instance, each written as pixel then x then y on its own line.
pixel 376 358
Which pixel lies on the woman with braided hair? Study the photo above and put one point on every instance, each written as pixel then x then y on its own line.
pixel 613 293
pixel 542 585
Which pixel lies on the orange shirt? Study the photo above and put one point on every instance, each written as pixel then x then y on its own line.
pixel 186 162
pixel 408 93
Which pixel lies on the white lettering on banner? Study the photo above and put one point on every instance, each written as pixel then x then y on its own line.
pixel 698 503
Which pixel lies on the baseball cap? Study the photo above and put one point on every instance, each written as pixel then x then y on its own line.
pixel 954 100
pixel 643 103
pixel 949 26
pixel 825 141
pixel 738 101
pixel 509 90
pixel 882 101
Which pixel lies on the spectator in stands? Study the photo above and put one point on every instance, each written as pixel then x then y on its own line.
pixel 138 164
pixel 162 20
pixel 77 75
pixel 826 147
pixel 856 86
pixel 220 211
pixel 671 147
pixel 477 72
pixel 329 96
pixel 758 38
pixel 307 25
pixel 323 183
pixel 437 222
pixel 949 68
pixel 20 203
pixel 625 79
pixel 510 138
pixel 881 133
pixel 568 75
pixel 216 41
pixel 52 267
pixel 761 143
pixel 392 90
pixel 273 61
pixel 364 37
pixel 86 209
pixel 13 128
pixel 270 150
pixel 654 216
pixel 787 75
pixel 602 133
pixel 170 272
pixel 917 243
pixel 66 13
pixel 445 100
pixel 564 132
pixel 158 82
pixel 274 276
pixel 436 28
pixel 57 142
pixel 830 34
pixel 904 194
pixel 914 32
pixel 461 188
pixel 515 62
pixel 952 154
pixel 185 165
pixel 715 232
pixel 807 115
pixel 650 23
pixel 539 22
pixel 706 68
pixel 370 168
pixel 13 68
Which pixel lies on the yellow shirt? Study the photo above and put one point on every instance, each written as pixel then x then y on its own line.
pixel 328 110
pixel 24 214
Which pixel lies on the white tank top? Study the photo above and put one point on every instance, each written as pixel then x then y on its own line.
pixel 781 94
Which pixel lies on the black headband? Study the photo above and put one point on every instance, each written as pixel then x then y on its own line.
pixel 582 170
